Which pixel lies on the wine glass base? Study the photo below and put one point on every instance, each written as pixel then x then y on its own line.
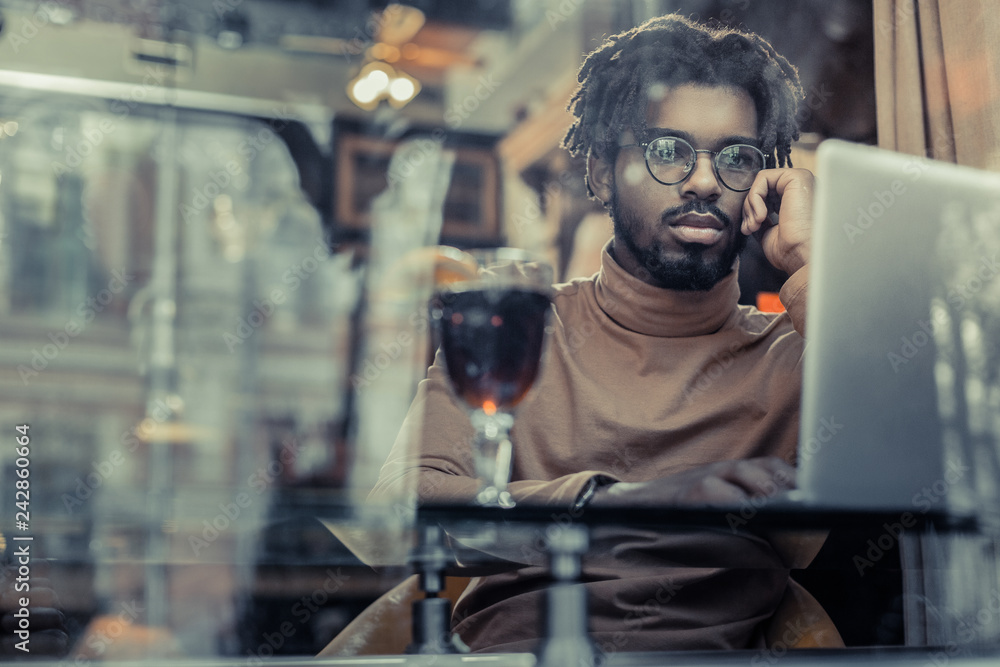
pixel 491 497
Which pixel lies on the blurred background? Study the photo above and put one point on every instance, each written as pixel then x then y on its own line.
pixel 200 203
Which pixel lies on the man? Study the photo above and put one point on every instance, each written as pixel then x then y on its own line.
pixel 656 386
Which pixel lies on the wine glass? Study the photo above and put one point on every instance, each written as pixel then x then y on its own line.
pixel 491 326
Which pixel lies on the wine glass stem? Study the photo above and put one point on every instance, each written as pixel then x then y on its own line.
pixel 494 456
pixel 501 474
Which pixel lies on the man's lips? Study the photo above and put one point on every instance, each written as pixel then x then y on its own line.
pixel 697 228
pixel 704 220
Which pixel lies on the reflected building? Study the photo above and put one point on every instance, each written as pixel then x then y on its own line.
pixel 162 421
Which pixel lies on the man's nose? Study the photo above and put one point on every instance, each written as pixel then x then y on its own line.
pixel 703 183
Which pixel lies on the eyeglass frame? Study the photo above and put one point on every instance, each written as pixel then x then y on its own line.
pixel 715 157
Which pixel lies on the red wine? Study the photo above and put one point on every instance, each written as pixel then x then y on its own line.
pixel 492 343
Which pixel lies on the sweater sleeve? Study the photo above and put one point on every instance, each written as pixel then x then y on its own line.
pixel 432 459
pixel 793 298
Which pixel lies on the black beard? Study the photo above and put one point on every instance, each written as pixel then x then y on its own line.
pixel 691 272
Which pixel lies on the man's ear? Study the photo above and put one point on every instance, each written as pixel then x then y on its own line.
pixel 600 177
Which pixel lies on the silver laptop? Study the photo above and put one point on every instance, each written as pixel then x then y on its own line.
pixel 901 386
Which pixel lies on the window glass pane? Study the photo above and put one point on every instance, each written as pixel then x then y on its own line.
pixel 180 335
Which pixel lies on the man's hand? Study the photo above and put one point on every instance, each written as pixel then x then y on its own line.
pixel 778 208
pixel 723 483
pixel 720 483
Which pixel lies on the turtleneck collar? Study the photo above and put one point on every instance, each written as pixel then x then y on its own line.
pixel 656 311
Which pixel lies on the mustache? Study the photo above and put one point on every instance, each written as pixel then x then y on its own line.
pixel 695 206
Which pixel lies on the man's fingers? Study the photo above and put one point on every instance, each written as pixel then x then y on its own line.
pixel 733 482
pixel 782 471
pixel 713 490
pixel 722 483
pixel 759 477
pixel 791 191
pixel 754 213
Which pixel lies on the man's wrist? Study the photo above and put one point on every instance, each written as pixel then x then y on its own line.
pixel 619 493
pixel 591 489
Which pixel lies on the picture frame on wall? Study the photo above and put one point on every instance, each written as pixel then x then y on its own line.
pixel 471 205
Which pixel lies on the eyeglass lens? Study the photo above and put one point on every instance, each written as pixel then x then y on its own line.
pixel 670 159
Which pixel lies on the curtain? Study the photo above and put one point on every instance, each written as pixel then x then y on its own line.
pixel 937 80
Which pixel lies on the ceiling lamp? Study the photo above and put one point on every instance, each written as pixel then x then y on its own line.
pixel 379 81
pixel 396 25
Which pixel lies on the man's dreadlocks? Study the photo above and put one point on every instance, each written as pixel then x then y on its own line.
pixel 617 79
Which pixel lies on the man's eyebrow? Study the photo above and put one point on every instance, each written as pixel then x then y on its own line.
pixel 656 132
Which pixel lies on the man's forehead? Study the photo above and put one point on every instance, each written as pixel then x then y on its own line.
pixel 701 111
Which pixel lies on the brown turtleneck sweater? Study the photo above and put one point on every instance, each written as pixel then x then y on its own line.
pixel 637 383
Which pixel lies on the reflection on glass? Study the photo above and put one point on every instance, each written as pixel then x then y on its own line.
pixel 151 505
pixel 492 327
pixel 965 320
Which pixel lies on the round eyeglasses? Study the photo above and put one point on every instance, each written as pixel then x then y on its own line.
pixel 671 160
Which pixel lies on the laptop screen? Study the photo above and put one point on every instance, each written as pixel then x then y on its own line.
pixel 900 375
